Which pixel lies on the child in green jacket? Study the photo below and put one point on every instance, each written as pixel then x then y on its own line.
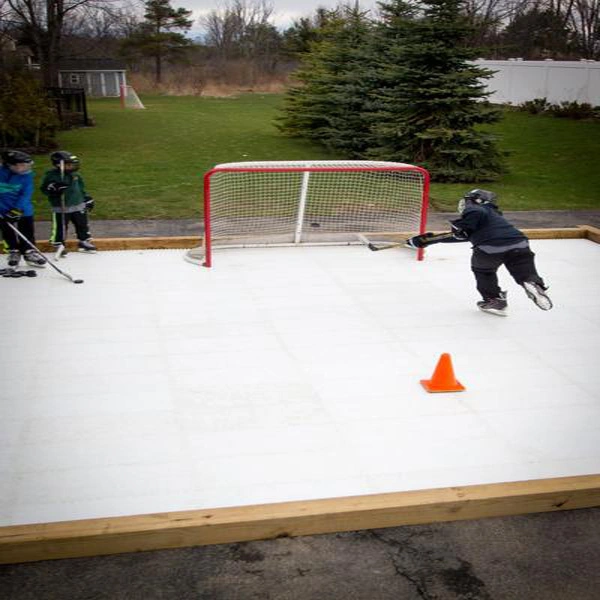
pixel 70 203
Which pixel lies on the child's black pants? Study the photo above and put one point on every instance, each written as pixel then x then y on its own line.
pixel 60 222
pixel 12 241
pixel 520 263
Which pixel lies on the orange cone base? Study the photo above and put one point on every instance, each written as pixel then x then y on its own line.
pixel 443 379
pixel 430 386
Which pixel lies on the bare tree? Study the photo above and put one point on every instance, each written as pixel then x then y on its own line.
pixel 233 29
pixel 585 20
pixel 489 17
pixel 43 23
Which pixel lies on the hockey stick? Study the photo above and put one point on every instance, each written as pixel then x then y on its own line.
pixel 60 251
pixel 69 277
pixel 438 237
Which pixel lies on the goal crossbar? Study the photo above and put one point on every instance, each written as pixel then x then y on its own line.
pixel 280 203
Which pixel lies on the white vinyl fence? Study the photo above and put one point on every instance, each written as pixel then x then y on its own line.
pixel 517 80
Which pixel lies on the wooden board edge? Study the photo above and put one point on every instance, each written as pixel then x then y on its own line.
pixel 592 233
pixel 186 242
pixel 93 537
pixel 133 243
pixel 562 233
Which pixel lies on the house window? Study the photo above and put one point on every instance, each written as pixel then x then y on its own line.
pixel 74 78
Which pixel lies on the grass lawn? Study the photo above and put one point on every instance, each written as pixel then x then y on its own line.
pixel 148 164
pixel 551 165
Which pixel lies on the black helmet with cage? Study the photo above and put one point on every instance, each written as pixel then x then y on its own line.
pixel 61 157
pixel 477 197
pixel 16 157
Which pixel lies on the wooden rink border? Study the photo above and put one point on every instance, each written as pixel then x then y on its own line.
pixel 93 537
pixel 186 242
pixel 115 535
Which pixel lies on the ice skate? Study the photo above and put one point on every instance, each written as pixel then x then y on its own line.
pixel 33 259
pixel 494 306
pixel 537 293
pixel 60 251
pixel 87 247
pixel 14 258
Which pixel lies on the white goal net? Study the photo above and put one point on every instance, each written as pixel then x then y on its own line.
pixel 129 98
pixel 309 202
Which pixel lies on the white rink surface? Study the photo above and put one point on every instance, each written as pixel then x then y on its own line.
pixel 287 374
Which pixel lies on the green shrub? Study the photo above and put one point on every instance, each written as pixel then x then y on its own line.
pixel 572 110
pixel 569 109
pixel 27 120
pixel 535 106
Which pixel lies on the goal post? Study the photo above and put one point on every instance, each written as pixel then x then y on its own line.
pixel 283 203
pixel 129 98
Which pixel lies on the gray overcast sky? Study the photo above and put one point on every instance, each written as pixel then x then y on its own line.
pixel 284 11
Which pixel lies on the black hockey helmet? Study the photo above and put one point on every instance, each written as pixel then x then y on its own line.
pixel 16 157
pixel 61 156
pixel 476 197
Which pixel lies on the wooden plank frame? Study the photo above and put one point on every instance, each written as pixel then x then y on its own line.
pixel 91 537
pixel 113 535
pixel 186 242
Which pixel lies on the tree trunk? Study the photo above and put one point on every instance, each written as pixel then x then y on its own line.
pixel 49 65
pixel 158 62
pixel 49 44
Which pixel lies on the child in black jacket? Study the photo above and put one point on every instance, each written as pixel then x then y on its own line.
pixel 495 242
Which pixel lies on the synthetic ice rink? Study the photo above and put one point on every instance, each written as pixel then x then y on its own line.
pixel 287 374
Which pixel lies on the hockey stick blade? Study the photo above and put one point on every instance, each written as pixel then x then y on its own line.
pixel 438 237
pixel 372 246
pixel 375 248
pixel 26 240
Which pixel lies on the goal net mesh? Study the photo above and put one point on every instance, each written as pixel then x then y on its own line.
pixel 328 202
pixel 129 98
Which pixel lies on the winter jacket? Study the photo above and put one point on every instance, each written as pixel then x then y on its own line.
pixel 16 191
pixel 73 196
pixel 484 225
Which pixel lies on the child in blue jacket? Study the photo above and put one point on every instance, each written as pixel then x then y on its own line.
pixel 16 208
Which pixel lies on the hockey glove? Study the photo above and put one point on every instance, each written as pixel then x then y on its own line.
pixel 56 188
pixel 420 241
pixel 459 233
pixel 12 216
pixel 89 203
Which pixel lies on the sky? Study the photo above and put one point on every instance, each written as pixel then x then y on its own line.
pixel 284 11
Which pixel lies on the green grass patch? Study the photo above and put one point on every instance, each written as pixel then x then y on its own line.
pixel 148 164
pixel 552 165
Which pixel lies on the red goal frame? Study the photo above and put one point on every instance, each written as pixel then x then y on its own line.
pixel 308 167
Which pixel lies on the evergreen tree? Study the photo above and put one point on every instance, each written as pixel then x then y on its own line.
pixel 155 37
pixel 303 32
pixel 433 100
pixel 329 103
pixel 538 34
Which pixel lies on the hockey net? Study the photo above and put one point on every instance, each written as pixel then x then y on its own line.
pixel 129 98
pixel 280 203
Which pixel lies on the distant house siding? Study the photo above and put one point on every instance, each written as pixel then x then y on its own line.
pixel 95 83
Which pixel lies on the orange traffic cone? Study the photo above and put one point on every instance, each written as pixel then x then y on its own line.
pixel 443 379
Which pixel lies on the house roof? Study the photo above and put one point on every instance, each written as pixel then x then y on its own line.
pixel 91 64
